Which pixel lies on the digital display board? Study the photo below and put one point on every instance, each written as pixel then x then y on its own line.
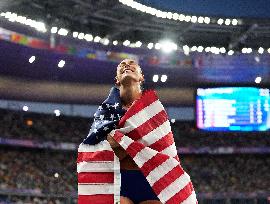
pixel 233 109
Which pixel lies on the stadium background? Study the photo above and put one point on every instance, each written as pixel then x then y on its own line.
pixel 58 61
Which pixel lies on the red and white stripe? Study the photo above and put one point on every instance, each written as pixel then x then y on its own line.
pixel 146 135
pixel 98 174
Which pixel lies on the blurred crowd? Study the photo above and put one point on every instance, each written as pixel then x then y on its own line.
pixel 228 173
pixel 55 172
pixel 187 135
pixel 40 171
pixel 33 200
pixel 44 127
pixel 50 172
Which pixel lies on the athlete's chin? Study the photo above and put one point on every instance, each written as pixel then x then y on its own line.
pixel 128 80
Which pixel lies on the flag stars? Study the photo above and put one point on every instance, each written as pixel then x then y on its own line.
pixel 116 105
pixel 100 108
pixel 105 128
pixel 101 117
pixel 112 116
pixel 118 116
pixel 108 105
pixel 95 130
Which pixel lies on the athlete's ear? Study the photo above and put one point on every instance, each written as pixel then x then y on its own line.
pixel 117 82
pixel 142 78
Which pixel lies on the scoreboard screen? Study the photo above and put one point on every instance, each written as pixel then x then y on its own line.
pixel 233 109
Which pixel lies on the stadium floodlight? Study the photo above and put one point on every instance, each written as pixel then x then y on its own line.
pixel 163 14
pixel 244 50
pixel 126 43
pixel 32 59
pixel 181 17
pixel 200 19
pixel 193 48
pixel 88 37
pixel 61 63
pixel 12 17
pixel 151 11
pixel 115 42
pixel 258 80
pixel 268 50
pixel 159 14
pixel 222 50
pixel 220 21
pixel 25 108
pixel 75 34
pixel 28 22
pixel 168 46
pixel 39 26
pixel 230 52
pixel 157 46
pixel 214 50
pixel 207 49
pixel 54 30
pixel 81 36
pixel 227 21
pixel 207 20
pixel 155 78
pixel 188 18
pixel 175 16
pixel 97 39
pixel 186 49
pixel 138 44
pixel 194 19
pixel 200 49
pixel 57 112
pixel 63 31
pixel 56 175
pixel 7 14
pixel 169 15
pixel 163 78
pixel 234 22
pixel 217 51
pixel 249 50
pixel 150 45
pixel 21 19
pixel 260 50
pixel 132 45
pixel 105 41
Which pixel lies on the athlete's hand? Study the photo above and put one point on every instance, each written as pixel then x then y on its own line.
pixel 112 141
pixel 118 150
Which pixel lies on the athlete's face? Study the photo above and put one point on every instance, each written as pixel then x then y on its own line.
pixel 128 70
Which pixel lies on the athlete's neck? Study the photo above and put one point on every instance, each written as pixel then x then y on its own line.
pixel 129 94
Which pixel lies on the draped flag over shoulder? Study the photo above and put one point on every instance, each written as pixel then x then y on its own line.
pixel 144 132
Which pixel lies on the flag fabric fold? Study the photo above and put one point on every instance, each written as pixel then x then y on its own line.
pixel 144 132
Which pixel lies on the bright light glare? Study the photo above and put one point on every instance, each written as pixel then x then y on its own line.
pixel 61 63
pixel 155 78
pixel 57 112
pixel 25 108
pixel 168 46
pixel 163 78
pixel 258 80
pixel 32 59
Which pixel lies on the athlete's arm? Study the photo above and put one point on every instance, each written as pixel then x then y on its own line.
pixel 118 150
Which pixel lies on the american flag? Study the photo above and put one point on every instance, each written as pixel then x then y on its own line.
pixel 144 132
